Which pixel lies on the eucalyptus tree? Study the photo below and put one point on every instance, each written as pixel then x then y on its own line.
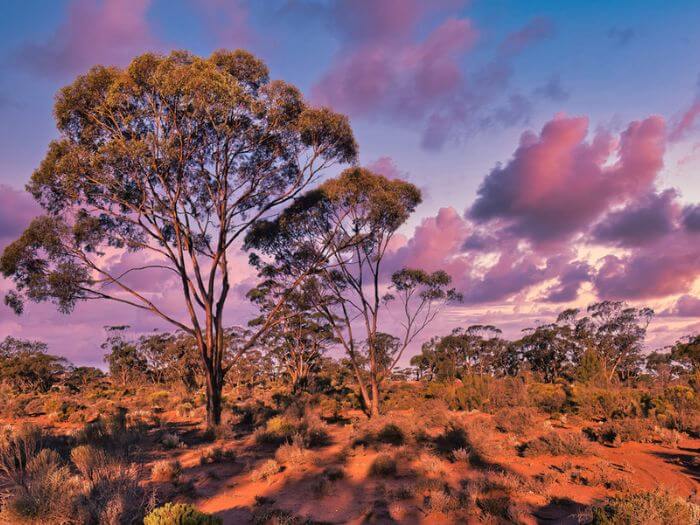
pixel 174 157
pixel 337 237
pixel 300 338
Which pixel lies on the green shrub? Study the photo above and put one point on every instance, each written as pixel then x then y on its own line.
pixel 549 398
pixel 603 403
pixel 180 514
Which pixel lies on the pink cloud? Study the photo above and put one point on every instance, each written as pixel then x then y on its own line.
pixel 686 123
pixel 385 166
pixel 383 69
pixel 558 183
pixel 94 31
pixel 640 222
pixel 398 78
pixel 686 306
pixel 665 267
pixel 691 218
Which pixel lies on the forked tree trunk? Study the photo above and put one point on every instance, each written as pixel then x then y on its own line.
pixel 214 387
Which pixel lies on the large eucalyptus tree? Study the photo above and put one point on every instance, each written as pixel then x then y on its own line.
pixel 175 156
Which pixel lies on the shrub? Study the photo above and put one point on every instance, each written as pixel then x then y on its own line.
pixel 293 453
pixel 90 461
pixel 115 497
pixel 266 470
pixel 602 403
pixel 621 431
pixel 547 397
pixel 645 508
pixel 167 470
pixel 180 514
pixel 384 465
pixel 453 437
pixel 170 441
pixel 216 454
pixel 17 447
pixel 44 496
pixel 391 434
pixel 517 420
pixel 473 394
pixel 557 444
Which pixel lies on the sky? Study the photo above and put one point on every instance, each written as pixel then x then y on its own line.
pixel 557 144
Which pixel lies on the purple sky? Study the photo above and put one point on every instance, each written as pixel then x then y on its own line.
pixel 557 143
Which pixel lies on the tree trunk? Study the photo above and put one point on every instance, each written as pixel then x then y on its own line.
pixel 213 402
pixel 374 404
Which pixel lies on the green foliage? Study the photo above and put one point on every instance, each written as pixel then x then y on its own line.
pixel 547 397
pixel 26 367
pixel 180 514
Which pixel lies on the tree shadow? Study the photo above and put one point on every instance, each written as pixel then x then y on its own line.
pixel 687 458
pixel 308 497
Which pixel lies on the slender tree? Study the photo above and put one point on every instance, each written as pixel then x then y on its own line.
pixel 174 157
pixel 338 236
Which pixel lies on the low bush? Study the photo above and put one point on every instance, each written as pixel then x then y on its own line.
pixel 216 454
pixel 294 453
pixel 180 514
pixel 645 508
pixel 90 461
pixel 639 430
pixel 167 470
pixel 549 398
pixel 391 434
pixel 557 444
pixel 44 495
pixel 266 470
pixel 519 420
pixel 384 465
pixel 452 438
